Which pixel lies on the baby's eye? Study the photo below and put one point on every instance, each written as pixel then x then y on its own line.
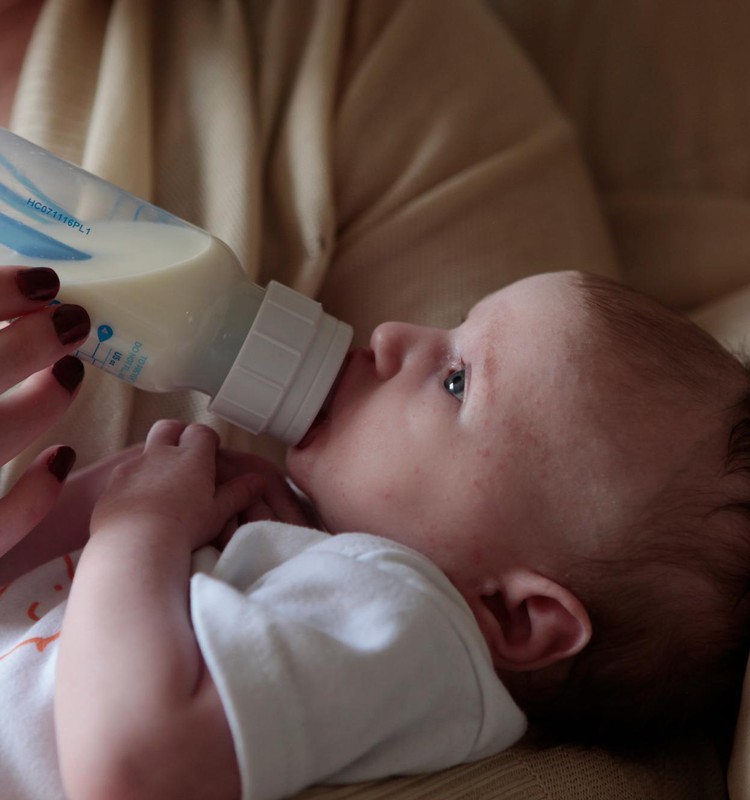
pixel 455 383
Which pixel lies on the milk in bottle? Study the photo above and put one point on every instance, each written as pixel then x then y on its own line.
pixel 169 304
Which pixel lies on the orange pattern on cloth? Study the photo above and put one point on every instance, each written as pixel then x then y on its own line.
pixel 40 642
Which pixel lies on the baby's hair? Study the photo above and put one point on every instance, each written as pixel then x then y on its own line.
pixel 670 606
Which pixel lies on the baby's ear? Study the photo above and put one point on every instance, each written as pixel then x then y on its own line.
pixel 530 621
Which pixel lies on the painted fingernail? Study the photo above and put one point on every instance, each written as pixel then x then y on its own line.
pixel 61 462
pixel 38 283
pixel 69 373
pixel 71 323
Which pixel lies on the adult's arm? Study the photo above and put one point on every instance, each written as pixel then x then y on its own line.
pixel 38 381
pixel 65 528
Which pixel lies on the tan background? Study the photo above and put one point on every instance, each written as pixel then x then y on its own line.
pixel 402 159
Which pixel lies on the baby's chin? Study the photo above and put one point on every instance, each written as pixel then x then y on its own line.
pixel 294 462
pixel 313 479
pixel 299 470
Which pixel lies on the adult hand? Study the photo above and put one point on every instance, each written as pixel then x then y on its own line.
pixel 39 336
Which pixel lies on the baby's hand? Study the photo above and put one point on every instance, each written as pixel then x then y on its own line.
pixel 276 500
pixel 171 487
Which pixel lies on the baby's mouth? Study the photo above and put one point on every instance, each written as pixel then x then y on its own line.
pixel 322 415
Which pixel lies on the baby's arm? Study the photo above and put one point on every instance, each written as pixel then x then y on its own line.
pixel 137 714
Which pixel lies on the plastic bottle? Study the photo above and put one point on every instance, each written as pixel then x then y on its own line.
pixel 169 304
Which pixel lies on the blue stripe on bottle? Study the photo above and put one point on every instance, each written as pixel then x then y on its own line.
pixel 27 241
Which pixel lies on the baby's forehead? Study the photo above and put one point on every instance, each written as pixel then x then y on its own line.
pixel 658 342
pixel 611 325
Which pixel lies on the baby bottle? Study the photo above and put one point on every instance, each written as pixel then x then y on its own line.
pixel 170 306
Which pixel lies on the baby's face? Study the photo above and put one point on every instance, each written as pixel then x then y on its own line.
pixel 507 440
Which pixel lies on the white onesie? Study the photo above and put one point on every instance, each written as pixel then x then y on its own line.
pixel 337 658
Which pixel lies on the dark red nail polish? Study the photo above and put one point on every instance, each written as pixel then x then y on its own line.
pixel 69 373
pixel 61 462
pixel 38 283
pixel 71 323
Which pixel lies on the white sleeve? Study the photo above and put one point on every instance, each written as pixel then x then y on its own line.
pixel 352 660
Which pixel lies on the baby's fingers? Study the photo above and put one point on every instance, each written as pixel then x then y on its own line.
pixel 201 439
pixel 34 494
pixel 165 432
pixel 238 494
pixel 258 511
pixel 284 503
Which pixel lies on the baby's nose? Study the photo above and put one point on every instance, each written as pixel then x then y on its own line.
pixel 389 342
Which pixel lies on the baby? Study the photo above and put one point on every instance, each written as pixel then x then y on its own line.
pixel 542 508
pixel 597 466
